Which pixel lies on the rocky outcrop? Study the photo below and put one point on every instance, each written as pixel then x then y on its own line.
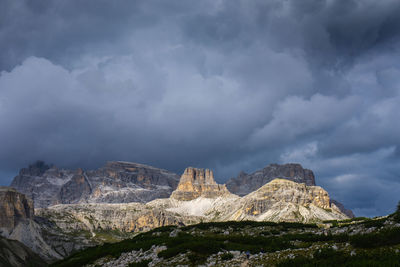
pixel 284 200
pixel 17 223
pixel 196 183
pixel 76 190
pixel 129 217
pixel 116 182
pixel 281 190
pixel 14 253
pixel 247 183
pixel 14 208
pixel 341 207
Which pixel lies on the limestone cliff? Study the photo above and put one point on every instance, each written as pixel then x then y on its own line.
pixel 196 183
pixel 245 183
pixel 17 223
pixel 14 208
pixel 284 200
pixel 279 200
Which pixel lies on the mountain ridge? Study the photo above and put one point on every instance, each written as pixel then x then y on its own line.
pixel 80 223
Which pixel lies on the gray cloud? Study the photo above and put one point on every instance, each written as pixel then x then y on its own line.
pixel 228 85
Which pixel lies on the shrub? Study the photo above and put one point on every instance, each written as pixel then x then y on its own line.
pixel 143 263
pixel 386 237
pixel 195 258
pixel 226 256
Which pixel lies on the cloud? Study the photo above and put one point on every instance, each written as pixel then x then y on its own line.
pixel 296 117
pixel 228 85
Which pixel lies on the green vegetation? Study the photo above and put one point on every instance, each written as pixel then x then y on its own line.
pixel 143 263
pixel 226 256
pixel 314 246
pixel 330 257
pixel 386 237
pixel 200 246
pixel 348 221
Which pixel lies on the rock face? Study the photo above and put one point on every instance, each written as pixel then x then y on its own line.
pixel 284 200
pixel 198 198
pixel 16 254
pixel 196 183
pixel 17 223
pixel 340 206
pixel 116 182
pixel 14 208
pixel 247 183
pixel 126 217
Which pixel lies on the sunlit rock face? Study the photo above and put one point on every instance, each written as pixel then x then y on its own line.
pixel 198 182
pixel 284 200
pixel 245 183
pixel 288 191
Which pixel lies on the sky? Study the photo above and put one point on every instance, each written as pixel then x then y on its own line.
pixel 228 85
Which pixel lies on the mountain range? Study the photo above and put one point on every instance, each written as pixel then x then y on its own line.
pixel 67 210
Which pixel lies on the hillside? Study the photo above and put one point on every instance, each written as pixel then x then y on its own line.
pixel 14 253
pixel 352 242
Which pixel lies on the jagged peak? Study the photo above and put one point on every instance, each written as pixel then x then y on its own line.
pixel 196 182
pixel 198 175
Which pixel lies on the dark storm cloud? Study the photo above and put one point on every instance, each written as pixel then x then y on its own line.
pixel 228 85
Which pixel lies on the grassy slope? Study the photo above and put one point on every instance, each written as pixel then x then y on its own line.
pixel 308 244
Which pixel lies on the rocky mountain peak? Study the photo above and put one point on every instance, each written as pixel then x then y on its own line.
pixel 35 169
pixel 198 176
pixel 298 193
pixel 245 183
pixel 196 182
pixel 116 182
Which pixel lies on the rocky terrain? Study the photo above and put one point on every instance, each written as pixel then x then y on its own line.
pixel 14 253
pixel 116 182
pixel 198 198
pixel 15 208
pixel 17 223
pixel 351 242
pixel 245 183
pixel 196 183
pixel 76 209
pixel 125 182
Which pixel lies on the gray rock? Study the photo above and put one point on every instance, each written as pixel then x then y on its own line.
pixel 247 183
pixel 116 182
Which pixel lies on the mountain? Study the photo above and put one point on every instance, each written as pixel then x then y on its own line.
pixel 85 219
pixel 198 198
pixel 285 200
pixel 125 182
pixel 245 183
pixel 116 182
